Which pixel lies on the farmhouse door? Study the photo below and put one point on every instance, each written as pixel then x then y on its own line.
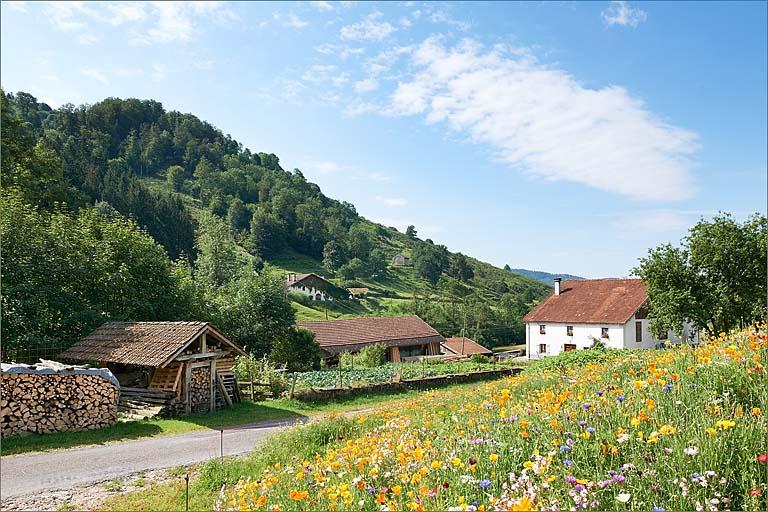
pixel 568 347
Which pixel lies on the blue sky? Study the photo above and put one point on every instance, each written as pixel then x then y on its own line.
pixel 566 137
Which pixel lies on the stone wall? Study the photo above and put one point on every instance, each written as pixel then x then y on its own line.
pixel 51 397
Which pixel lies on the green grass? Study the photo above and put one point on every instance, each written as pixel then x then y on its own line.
pixel 303 441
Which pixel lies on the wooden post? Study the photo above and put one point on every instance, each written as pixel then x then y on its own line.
pixel 250 374
pixel 213 384
pixel 203 344
pixel 293 384
pixel 341 380
pixel 187 384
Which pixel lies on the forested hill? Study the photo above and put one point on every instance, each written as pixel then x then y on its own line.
pixel 218 208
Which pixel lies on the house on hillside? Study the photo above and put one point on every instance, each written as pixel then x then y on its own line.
pixel 357 293
pixel 401 260
pixel 313 286
pixel 404 336
pixel 164 367
pixel 462 346
pixel 612 311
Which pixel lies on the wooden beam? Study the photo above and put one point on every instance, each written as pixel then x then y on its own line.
pixel 223 389
pixel 203 343
pixel 213 385
pixel 187 382
pixel 207 355
pixel 176 383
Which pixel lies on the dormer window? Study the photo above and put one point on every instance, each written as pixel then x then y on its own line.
pixel 542 329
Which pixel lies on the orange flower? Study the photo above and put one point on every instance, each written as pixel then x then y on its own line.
pixel 299 495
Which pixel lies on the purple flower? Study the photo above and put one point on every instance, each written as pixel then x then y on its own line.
pixel 667 388
pixel 600 393
pixel 591 430
pixel 565 449
pixel 604 483
pixel 620 398
pixel 485 484
pixel 570 479
pixel 619 479
pixel 475 503
pixel 567 462
pixel 579 487
pixel 587 406
pixel 371 490
pixel 582 423
pixel 658 509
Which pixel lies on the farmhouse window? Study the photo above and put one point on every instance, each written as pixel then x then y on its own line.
pixel 542 348
pixel 638 331
pixel 542 329
pixel 569 330
pixel 604 332
pixel 569 347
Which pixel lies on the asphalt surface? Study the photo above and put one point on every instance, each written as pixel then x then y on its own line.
pixel 61 469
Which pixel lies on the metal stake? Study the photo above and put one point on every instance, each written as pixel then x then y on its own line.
pixel 221 445
pixel 186 494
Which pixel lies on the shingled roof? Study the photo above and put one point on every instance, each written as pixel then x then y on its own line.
pixel 592 301
pixel 335 336
pixel 141 343
pixel 465 346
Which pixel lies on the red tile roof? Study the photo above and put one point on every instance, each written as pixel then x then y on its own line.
pixel 335 336
pixel 465 346
pixel 142 343
pixel 592 301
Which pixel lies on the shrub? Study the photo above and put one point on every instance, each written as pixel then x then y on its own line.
pixel 480 358
pixel 371 356
pixel 261 370
pixel 297 350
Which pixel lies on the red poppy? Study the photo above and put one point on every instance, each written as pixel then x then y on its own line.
pixel 755 492
pixel 762 457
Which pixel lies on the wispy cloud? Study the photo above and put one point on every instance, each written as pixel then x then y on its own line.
pixel 370 29
pixel 367 85
pixel 392 201
pixel 442 17
pixel 296 22
pixel 543 122
pixel 322 5
pixel 95 74
pixel 620 13
pixel 88 39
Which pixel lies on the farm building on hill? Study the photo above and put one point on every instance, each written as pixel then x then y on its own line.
pixel 401 260
pixel 164 367
pixel 462 346
pixel 313 286
pixel 612 311
pixel 404 336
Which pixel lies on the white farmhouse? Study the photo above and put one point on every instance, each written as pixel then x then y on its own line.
pixel 612 311
pixel 311 285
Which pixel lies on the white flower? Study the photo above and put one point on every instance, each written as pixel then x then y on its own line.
pixel 692 451
pixel 623 497
pixel 623 438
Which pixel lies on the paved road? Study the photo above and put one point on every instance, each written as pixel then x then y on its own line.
pixel 27 474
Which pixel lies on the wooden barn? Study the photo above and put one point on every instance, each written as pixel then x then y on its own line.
pixel 406 337
pixel 164 368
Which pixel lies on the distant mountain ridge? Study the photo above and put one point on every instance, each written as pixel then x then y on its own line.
pixel 544 277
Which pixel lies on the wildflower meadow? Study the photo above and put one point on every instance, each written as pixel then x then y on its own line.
pixel 682 428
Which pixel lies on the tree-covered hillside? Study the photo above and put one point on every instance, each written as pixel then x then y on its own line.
pixel 538 275
pixel 222 213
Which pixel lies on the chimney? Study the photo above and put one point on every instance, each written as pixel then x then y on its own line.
pixel 557 285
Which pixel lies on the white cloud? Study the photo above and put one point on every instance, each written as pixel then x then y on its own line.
pixel 441 17
pixel 392 201
pixel 543 122
pixel 367 30
pixel 95 74
pixel 88 39
pixel 296 22
pixel 343 51
pixel 322 5
pixel 405 22
pixel 367 85
pixel 620 13
pixel 159 72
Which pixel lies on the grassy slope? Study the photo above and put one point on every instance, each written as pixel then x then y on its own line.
pixel 398 285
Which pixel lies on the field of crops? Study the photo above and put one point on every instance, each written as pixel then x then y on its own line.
pixel 386 373
pixel 662 430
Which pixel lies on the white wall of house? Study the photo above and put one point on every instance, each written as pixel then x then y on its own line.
pixel 556 337
pixel 310 291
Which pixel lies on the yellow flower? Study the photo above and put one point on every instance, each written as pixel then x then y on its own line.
pixel 667 430
pixel 494 457
pixel 397 490
pixel 527 464
pixel 524 505
pixel 725 424
pixel 299 495
pixel 711 431
pixel 756 411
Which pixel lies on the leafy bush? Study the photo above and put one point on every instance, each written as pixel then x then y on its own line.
pixel 576 358
pixel 297 350
pixel 480 358
pixel 372 356
pixel 261 370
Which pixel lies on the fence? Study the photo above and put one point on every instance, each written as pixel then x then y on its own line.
pixel 31 355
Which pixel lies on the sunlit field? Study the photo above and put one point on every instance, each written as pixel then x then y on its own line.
pixel 676 429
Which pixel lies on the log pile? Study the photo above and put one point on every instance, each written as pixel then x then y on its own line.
pixel 200 389
pixel 48 398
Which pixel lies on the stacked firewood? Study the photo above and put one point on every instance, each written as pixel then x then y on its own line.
pixel 200 389
pixel 45 402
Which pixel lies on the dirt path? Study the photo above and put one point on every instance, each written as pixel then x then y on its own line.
pixel 65 469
